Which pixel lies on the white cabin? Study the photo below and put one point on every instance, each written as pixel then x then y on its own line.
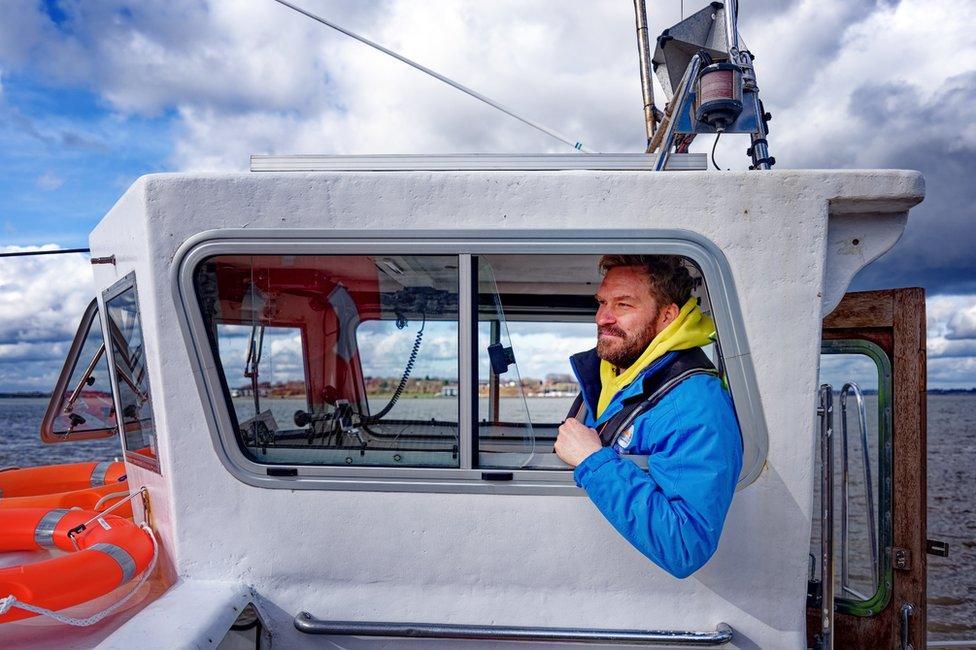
pixel 468 519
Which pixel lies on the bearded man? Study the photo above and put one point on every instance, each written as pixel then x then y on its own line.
pixel 648 389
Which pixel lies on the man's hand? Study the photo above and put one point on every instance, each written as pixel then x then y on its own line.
pixel 576 441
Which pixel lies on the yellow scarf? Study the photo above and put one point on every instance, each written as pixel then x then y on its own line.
pixel 691 329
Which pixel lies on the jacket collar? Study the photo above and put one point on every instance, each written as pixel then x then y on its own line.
pixel 586 367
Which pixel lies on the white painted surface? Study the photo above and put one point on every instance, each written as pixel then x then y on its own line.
pixel 191 614
pixel 512 560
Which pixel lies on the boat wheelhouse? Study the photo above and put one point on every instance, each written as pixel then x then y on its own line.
pixel 266 334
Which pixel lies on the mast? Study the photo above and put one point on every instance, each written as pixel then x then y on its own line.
pixel 647 85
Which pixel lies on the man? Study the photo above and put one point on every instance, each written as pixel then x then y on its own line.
pixel 649 389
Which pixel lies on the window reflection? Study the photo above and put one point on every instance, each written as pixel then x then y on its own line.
pixel 338 359
pixel 83 407
pixel 131 376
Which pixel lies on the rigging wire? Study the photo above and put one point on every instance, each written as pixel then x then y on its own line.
pixel 575 144
pixel 715 144
pixel 58 251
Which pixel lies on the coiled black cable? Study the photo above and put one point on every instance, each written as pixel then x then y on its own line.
pixel 403 380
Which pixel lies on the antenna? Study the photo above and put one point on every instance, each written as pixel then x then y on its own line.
pixel 473 93
pixel 56 251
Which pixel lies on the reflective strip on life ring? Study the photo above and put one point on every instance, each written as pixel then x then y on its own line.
pixel 99 472
pixel 44 532
pixel 111 552
pixel 122 558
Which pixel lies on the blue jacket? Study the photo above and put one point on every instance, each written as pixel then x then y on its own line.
pixel 673 512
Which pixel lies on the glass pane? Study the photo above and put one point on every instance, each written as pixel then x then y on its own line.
pixel 429 390
pixel 84 405
pixel 338 359
pixel 505 436
pixel 538 310
pixel 265 375
pixel 543 350
pixel 131 375
pixel 860 433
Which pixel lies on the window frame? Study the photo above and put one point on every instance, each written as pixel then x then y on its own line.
pixel 882 596
pixel 128 282
pixel 89 319
pixel 463 244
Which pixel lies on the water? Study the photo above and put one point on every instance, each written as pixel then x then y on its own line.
pixel 21 446
pixel 951 481
pixel 952 515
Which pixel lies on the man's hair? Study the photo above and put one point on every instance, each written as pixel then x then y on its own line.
pixel 669 278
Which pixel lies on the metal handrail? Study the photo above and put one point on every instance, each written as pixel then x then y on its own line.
pixel 853 389
pixel 308 624
pixel 826 412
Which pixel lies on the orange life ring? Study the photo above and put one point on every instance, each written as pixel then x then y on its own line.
pixel 97 499
pixel 55 479
pixel 111 552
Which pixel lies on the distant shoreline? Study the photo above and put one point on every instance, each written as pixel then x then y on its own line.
pixel 931 391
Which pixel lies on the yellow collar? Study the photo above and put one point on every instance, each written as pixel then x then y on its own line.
pixel 691 329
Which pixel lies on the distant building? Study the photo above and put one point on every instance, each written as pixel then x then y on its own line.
pixel 560 378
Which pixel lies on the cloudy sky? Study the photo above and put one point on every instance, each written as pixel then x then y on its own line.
pixel 94 93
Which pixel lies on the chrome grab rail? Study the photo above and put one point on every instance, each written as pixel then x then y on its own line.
pixel 862 423
pixel 308 624
pixel 826 413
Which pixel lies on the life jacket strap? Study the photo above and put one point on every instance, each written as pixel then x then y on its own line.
pixel 655 386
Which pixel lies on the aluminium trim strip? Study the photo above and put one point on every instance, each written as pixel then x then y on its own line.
pixel 723 633
pixel 467 337
pixel 473 162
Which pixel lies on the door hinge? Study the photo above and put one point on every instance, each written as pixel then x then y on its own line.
pixel 937 547
pixel 901 559
pixel 814 594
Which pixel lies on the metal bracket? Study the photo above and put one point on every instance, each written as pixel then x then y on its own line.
pixel 937 547
pixel 901 559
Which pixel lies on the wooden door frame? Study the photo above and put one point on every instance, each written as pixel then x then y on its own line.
pixel 893 319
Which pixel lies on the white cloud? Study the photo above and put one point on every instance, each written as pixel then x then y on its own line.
pixel 818 121
pixel 257 77
pixel 962 324
pixel 547 350
pixel 42 297
pixel 952 373
pixel 951 339
pixel 49 181
pixel 23 351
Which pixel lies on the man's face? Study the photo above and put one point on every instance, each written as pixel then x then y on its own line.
pixel 628 317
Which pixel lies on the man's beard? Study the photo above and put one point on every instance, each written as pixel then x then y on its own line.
pixel 625 351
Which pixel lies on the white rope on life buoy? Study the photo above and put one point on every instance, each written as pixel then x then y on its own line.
pixel 11 601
